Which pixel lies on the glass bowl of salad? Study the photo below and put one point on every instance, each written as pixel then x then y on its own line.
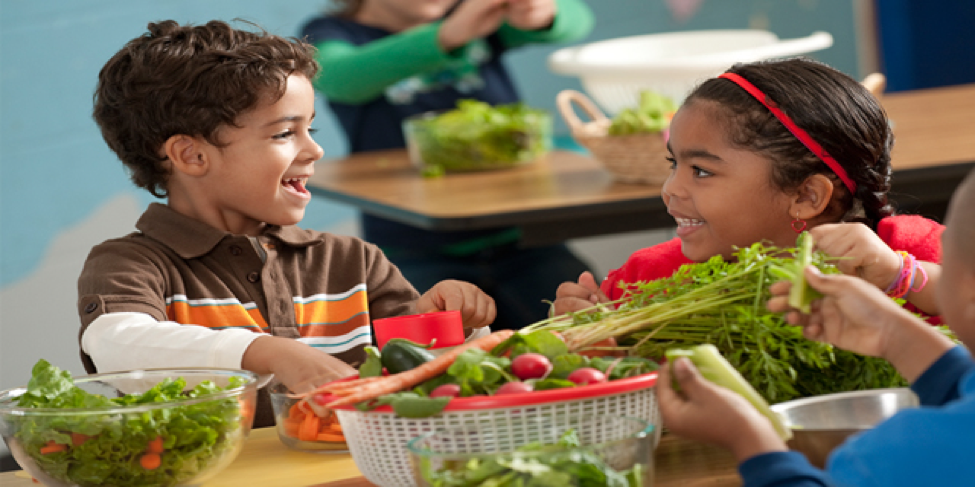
pixel 302 428
pixel 554 450
pixel 156 427
pixel 476 136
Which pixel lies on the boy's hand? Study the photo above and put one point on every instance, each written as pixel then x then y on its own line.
pixel 575 296
pixel 300 367
pixel 851 315
pixel 860 252
pixel 476 307
pixel 856 316
pixel 531 14
pixel 471 20
pixel 704 411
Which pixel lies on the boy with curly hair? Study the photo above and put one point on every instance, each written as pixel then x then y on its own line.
pixel 217 121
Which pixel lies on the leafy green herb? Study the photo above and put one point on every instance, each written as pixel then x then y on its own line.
pixel 477 136
pixel 723 303
pixel 373 365
pixel 194 436
pixel 535 465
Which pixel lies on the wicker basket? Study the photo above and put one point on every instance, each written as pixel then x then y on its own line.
pixel 377 439
pixel 638 158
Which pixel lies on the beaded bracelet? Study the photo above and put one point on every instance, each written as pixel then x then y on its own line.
pixel 907 276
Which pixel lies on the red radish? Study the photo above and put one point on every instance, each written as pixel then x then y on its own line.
pixel 514 388
pixel 531 366
pixel 446 390
pixel 587 375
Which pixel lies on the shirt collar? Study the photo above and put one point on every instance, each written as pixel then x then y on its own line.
pixel 192 238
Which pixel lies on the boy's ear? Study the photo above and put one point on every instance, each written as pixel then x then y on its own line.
pixel 812 197
pixel 186 154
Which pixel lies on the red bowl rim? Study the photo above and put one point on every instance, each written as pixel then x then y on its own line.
pixel 534 398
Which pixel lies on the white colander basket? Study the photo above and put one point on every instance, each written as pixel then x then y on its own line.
pixel 614 71
pixel 377 439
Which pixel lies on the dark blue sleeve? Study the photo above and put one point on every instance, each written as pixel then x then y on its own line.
pixel 939 384
pixel 781 469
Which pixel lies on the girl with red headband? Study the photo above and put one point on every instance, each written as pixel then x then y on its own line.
pixel 767 150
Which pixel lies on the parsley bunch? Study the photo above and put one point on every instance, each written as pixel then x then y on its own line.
pixel 723 303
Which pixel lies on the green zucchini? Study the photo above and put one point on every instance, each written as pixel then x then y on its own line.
pixel 399 355
pixel 715 368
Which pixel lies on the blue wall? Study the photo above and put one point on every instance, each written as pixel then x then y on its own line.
pixel 55 169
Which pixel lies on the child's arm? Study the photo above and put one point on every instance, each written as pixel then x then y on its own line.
pixel 300 367
pixel 476 307
pixel 856 316
pixel 126 341
pixel 358 74
pixel 545 21
pixel 862 253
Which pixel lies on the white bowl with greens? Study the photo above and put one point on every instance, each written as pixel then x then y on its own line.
pixel 566 451
pixel 158 427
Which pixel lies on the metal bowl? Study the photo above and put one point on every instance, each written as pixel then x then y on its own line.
pixel 820 423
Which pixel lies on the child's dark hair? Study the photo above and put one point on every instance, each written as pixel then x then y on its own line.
pixel 188 80
pixel 833 108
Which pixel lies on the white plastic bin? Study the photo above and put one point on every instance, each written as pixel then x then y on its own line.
pixel 614 71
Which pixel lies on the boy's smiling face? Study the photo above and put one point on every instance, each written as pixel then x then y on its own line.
pixel 259 174
pixel 720 195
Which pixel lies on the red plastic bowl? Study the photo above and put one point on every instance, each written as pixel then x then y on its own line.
pixel 446 327
pixel 476 403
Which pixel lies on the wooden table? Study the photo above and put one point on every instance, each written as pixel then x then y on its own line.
pixel 266 462
pixel 568 195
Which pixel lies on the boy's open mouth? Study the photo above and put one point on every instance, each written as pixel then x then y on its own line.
pixel 295 184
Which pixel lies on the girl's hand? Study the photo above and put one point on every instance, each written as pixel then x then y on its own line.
pixel 704 411
pixel 531 14
pixel 860 252
pixel 476 308
pixel 471 20
pixel 572 296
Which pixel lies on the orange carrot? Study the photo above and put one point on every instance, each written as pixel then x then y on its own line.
pixel 155 445
pixel 410 378
pixel 52 447
pixel 150 461
pixel 330 437
pixel 334 428
pixel 309 428
pixel 291 428
pixel 78 439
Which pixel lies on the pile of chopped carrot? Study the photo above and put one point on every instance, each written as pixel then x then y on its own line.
pixel 302 423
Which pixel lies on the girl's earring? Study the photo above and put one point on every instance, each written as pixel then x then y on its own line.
pixel 798 224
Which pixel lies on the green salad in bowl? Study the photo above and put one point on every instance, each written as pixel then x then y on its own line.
pixel 158 427
pixel 476 136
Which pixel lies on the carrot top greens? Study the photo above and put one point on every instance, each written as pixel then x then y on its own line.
pixel 723 303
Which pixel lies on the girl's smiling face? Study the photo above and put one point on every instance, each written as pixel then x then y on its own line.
pixel 721 195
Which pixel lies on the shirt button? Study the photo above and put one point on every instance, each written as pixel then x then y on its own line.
pixel 253 277
pixel 91 307
pixel 235 250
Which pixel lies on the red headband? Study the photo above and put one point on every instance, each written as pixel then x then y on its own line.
pixel 796 131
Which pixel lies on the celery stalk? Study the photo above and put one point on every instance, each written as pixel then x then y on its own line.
pixel 715 368
pixel 802 294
